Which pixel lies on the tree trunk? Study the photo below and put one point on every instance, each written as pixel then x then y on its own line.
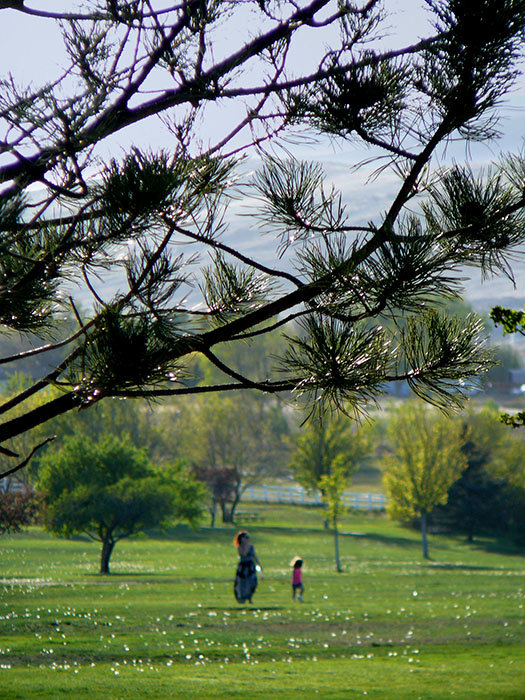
pixel 226 513
pixel 424 541
pixel 233 507
pixel 336 547
pixel 213 511
pixel 107 548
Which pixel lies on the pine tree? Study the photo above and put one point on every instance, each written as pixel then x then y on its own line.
pixel 363 295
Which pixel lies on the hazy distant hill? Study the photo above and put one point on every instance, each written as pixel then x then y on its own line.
pixel 365 200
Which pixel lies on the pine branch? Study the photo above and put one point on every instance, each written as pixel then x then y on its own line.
pixel 27 459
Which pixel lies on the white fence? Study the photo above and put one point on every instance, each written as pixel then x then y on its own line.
pixel 298 496
pixel 9 484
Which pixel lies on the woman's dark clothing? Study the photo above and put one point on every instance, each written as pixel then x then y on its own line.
pixel 245 577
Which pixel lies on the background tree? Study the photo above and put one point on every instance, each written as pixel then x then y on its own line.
pixel 332 486
pixel 108 490
pixel 512 469
pixel 17 510
pixel 338 278
pixel 232 444
pixel 476 501
pixel 325 442
pixel 139 422
pixel 221 483
pixel 426 459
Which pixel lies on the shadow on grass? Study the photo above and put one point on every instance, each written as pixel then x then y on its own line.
pixel 385 539
pixel 494 545
pixel 499 545
pixel 447 566
pixel 225 533
pixel 240 608
pixel 150 577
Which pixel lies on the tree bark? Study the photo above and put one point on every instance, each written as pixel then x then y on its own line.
pixel 234 505
pixel 424 540
pixel 226 514
pixel 336 548
pixel 41 414
pixel 107 548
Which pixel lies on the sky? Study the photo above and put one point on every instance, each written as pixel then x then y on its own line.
pixel 30 49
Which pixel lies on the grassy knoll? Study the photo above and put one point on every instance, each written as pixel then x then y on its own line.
pixel 165 623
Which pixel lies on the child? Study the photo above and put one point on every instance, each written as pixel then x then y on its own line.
pixel 297 578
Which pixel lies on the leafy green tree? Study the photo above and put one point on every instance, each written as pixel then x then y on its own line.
pixel 512 466
pixel 426 459
pixel 232 444
pixel 108 490
pixel 511 469
pixel 332 486
pixel 476 501
pixel 323 443
pixel 340 279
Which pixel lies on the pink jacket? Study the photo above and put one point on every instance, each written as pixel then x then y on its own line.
pixel 297 577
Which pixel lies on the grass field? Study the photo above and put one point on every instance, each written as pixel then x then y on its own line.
pixel 165 623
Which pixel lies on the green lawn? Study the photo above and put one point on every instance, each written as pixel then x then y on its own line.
pixel 165 624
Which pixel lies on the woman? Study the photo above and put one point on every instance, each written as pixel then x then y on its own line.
pixel 246 575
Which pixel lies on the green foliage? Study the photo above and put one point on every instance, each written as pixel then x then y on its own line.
pixel 480 42
pixel 255 358
pixel 476 502
pixel 438 338
pixel 364 293
pixel 135 420
pixel 123 508
pixel 486 440
pixel 231 290
pixel 339 366
pixel 15 385
pixel 332 486
pixel 292 194
pixel 127 351
pixel 512 321
pixel 109 490
pixel 333 442
pixel 188 495
pixel 99 462
pixel 425 461
pixel 512 466
pixel 516 420
pixel 368 98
